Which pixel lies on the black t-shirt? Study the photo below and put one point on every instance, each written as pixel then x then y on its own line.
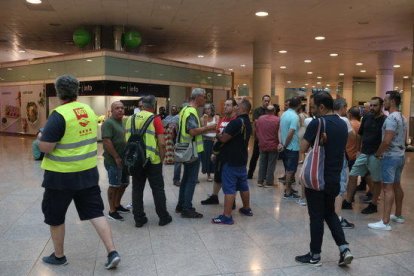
pixel 371 133
pixel 234 152
pixel 337 134
pixel 52 133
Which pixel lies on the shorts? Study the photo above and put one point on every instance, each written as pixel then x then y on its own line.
pixel 234 179
pixel 367 163
pixel 344 178
pixel 392 167
pixel 117 177
pixel 290 160
pixel 218 166
pixel 55 203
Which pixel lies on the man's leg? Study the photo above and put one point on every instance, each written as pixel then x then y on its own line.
pixel 156 182
pixel 316 212
pixel 263 159
pixel 388 201
pixel 104 231
pixel 58 236
pixel 271 166
pixel 177 174
pixel 119 193
pixel 228 204
pixel 253 159
pixel 138 185
pixel 112 198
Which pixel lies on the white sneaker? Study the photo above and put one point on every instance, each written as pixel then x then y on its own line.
pixel 301 202
pixel 397 219
pixel 380 225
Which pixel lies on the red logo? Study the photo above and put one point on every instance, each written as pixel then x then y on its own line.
pixel 81 116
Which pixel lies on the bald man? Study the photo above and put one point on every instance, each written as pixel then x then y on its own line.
pixel 113 136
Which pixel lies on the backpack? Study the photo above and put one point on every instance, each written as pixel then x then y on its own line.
pixel 135 154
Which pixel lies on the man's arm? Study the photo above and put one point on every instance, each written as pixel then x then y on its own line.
pixel 388 136
pixel 289 138
pixel 46 147
pixel 161 146
pixel 304 146
pixel 109 147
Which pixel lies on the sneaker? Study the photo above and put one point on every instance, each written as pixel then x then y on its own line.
pixel 115 216
pixel 246 211
pixel 268 185
pixel 380 225
pixel 346 205
pixel 129 206
pixel 177 183
pixel 191 213
pixel 53 260
pixel 294 191
pixel 345 257
pixel 121 209
pixel 113 260
pixel 211 200
pixel 140 222
pixel 260 183
pixel 282 179
pixel 292 195
pixel 397 219
pixel 308 259
pixel 370 209
pixel 165 221
pixel 209 179
pixel 222 219
pixel 301 202
pixel 346 224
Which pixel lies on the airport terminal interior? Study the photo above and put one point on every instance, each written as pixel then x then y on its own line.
pixel 122 50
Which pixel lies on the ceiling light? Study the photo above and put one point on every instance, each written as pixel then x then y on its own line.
pixel 219 75
pixel 313 86
pixel 262 13
pixel 242 65
pixel 397 66
pixel 359 64
pixel 282 51
pixel 89 60
pixel 363 71
pixel 307 61
pixel 49 69
pixel 282 67
pixel 318 77
pixel 405 77
pixel 230 69
pixel 309 73
pixel 22 51
pixel 244 84
pixel 333 54
pixel 288 81
pixel 306 84
pixel 200 56
pixel 341 74
pixel 319 37
pixel 303 87
pixel 9 69
pixel 318 82
pixel 328 85
pixel 396 87
pixel 34 1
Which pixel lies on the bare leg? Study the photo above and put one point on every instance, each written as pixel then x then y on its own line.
pixel 216 188
pixel 388 202
pixel 338 205
pixel 104 231
pixel 350 190
pixel 399 196
pixel 112 196
pixel 228 204
pixel 288 184
pixel 58 237
pixel 376 191
pixel 245 196
pixel 120 192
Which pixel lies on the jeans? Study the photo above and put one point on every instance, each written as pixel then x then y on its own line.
pixel 156 181
pixel 207 166
pixel 177 171
pixel 253 159
pixel 321 207
pixel 267 165
pixel 188 183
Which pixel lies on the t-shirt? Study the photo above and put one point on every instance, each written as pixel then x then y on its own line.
pixel 395 122
pixel 267 128
pixel 351 145
pixel 222 124
pixel 348 124
pixel 336 132
pixel 113 130
pixel 371 133
pixel 288 121
pixel 159 128
pixel 234 152
pixel 53 133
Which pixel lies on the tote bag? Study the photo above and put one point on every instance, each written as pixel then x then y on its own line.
pixel 312 172
pixel 184 152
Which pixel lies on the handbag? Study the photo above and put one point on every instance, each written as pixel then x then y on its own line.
pixel 312 171
pixel 184 152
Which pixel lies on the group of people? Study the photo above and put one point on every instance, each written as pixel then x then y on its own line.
pixel 373 148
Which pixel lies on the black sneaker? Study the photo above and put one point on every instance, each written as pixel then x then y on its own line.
pixel 308 259
pixel 346 224
pixel 140 222
pixel 346 205
pixel 122 209
pixel 115 216
pixel 191 214
pixel 282 179
pixel 292 195
pixel 165 221
pixel 211 200
pixel 345 257
pixel 177 183
pixel 370 209
pixel 113 260
pixel 53 260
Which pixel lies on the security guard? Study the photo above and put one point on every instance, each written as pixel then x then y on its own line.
pixel 155 152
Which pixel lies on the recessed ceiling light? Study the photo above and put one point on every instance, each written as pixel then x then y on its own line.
pixel 244 84
pixel 89 60
pixel 359 64
pixel 306 84
pixel 219 75
pixel 9 69
pixel 396 87
pixel 313 86
pixel 341 74
pixel 230 69
pixel 318 82
pixel 200 56
pixel 288 81
pixel 49 69
pixel 282 51
pixel 318 77
pixel 309 73
pixel 307 61
pixel 328 85
pixel 282 67
pixel 262 13
pixel 333 54
pixel 303 87
pixel 22 51
pixel 397 66
pixel 242 65
pixel 209 78
pixel 405 77
pixel 34 1
pixel 363 71
pixel 319 37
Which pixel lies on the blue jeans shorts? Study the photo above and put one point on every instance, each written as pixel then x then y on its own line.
pixel 392 167
pixel 290 160
pixel 234 179
pixel 117 177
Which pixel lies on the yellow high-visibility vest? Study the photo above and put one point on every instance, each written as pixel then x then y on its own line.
pixel 185 137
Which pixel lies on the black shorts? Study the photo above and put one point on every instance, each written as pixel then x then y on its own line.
pixel 55 203
pixel 218 166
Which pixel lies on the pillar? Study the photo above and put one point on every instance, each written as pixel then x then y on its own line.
pixel 97 42
pixel 347 90
pixel 406 98
pixel 118 30
pixel 262 71
pixel 385 73
pixel 280 86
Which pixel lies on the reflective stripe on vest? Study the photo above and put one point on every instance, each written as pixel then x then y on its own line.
pixel 77 149
pixel 185 137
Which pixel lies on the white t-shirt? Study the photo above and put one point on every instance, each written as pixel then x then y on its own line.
pixel 348 124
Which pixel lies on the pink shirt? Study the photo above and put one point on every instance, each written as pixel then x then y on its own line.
pixel 267 128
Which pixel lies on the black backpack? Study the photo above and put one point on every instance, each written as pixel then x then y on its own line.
pixel 134 154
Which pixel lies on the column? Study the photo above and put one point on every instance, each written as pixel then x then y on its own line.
pixel 118 30
pixel 385 73
pixel 347 92
pixel 262 71
pixel 406 98
pixel 280 89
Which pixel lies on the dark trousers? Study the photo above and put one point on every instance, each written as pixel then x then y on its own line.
pixel 253 159
pixel 188 183
pixel 321 207
pixel 154 174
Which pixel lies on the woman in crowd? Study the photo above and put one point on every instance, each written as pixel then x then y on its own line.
pixel 209 118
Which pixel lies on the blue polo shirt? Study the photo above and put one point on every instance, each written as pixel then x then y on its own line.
pixel 288 121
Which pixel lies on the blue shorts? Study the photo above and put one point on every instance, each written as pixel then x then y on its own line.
pixel 391 168
pixel 234 179
pixel 290 160
pixel 117 177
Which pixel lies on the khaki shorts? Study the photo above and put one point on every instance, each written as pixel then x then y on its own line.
pixel 367 163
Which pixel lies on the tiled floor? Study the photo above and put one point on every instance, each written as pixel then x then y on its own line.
pixel 264 244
